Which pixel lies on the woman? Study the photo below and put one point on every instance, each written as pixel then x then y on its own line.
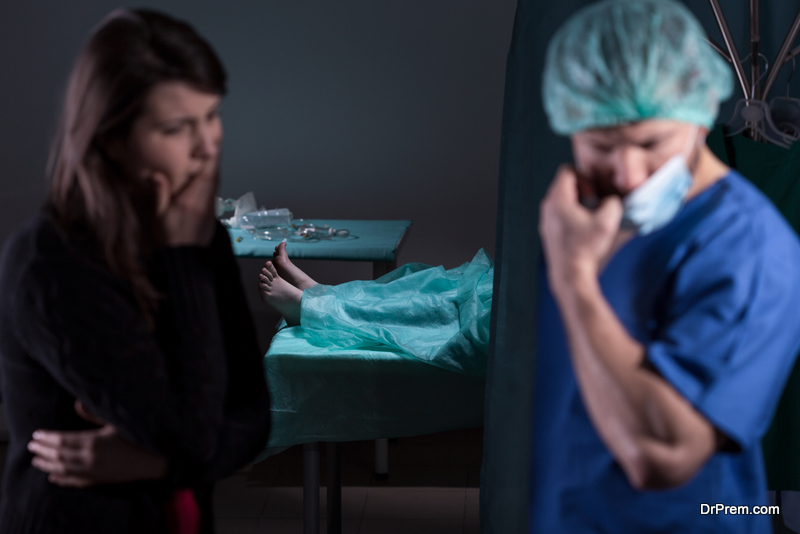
pixel 120 302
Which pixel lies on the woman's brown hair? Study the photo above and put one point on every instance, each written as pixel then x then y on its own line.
pixel 129 53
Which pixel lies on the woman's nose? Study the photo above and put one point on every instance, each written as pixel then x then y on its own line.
pixel 207 141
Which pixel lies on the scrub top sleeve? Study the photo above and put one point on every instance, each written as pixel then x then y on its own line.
pixel 729 333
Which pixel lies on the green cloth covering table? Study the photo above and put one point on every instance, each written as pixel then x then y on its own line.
pixel 776 172
pixel 335 395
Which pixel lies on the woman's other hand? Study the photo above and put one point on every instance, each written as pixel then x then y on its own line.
pixel 188 215
pixel 92 457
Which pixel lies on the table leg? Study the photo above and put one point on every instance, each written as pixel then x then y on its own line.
pixel 334 489
pixel 379 268
pixel 311 488
pixel 382 456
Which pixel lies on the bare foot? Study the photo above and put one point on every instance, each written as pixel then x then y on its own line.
pixel 280 294
pixel 289 271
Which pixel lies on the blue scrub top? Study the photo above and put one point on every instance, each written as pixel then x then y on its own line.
pixel 713 297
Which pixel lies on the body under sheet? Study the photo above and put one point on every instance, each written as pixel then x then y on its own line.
pixel 435 315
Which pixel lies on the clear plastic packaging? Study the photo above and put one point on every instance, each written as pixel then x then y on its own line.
pixel 274 218
pixel 244 204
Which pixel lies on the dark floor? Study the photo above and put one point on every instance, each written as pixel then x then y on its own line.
pixel 431 488
pixel 445 459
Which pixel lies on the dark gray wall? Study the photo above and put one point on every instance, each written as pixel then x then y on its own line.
pixel 350 109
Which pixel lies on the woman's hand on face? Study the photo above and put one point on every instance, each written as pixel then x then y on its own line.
pixel 92 457
pixel 576 239
pixel 187 210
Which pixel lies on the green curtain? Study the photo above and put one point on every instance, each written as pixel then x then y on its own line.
pixel 529 157
pixel 776 172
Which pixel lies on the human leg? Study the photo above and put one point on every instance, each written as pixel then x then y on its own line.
pixel 279 293
pixel 288 270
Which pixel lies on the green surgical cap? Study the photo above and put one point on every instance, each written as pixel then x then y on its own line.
pixel 622 61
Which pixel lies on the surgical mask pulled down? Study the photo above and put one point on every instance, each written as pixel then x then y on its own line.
pixel 658 200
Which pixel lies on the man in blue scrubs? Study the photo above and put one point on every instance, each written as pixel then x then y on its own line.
pixel 668 317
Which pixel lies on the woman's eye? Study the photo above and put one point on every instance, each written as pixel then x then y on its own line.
pixel 172 130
